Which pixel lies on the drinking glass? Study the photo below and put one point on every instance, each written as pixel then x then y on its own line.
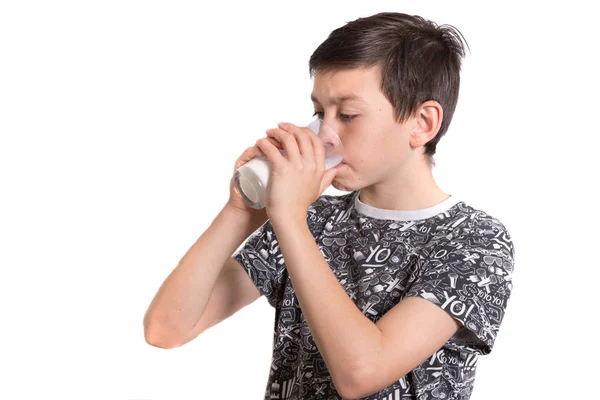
pixel 252 179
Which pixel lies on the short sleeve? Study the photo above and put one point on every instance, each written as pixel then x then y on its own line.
pixel 261 258
pixel 469 275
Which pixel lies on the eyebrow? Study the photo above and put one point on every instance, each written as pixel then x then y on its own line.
pixel 340 99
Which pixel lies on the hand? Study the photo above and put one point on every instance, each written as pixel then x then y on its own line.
pixel 298 180
pixel 235 201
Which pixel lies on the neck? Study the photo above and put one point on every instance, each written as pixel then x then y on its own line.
pixel 409 188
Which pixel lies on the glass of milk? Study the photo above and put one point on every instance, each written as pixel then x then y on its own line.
pixel 251 179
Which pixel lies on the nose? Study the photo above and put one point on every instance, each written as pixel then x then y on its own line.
pixel 332 124
pixel 329 134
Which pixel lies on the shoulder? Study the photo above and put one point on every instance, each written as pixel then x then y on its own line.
pixel 470 241
pixel 480 229
pixel 466 233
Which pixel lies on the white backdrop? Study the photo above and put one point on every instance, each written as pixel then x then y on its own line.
pixel 120 124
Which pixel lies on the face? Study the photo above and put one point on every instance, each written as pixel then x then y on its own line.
pixel 375 145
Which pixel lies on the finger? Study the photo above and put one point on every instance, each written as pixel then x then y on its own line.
pixel 289 143
pixel 318 149
pixel 273 154
pixel 255 151
pixel 275 143
pixel 252 152
pixel 327 179
pixel 249 154
pixel 303 139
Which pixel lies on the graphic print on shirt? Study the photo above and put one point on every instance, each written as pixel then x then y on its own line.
pixel 460 259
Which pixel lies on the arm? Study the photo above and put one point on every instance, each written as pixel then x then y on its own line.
pixel 176 314
pixel 362 357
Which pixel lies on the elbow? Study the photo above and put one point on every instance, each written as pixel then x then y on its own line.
pixel 363 383
pixel 157 340
pixel 155 336
pixel 347 393
pixel 353 383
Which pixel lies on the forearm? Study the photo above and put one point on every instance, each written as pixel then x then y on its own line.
pixel 182 298
pixel 344 336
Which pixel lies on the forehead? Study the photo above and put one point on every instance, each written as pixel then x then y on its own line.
pixel 346 84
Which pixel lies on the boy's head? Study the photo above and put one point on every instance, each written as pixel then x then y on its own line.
pixel 412 63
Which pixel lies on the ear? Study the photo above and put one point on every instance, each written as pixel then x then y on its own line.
pixel 428 120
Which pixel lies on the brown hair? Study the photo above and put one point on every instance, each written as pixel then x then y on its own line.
pixel 419 61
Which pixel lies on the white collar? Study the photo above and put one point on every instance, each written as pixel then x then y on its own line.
pixel 400 215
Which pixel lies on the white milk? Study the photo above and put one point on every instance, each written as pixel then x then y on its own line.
pixel 251 180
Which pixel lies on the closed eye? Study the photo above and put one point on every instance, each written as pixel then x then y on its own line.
pixel 343 117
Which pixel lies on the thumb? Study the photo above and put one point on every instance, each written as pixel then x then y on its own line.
pixel 327 179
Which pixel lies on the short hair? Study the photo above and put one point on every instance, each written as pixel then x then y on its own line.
pixel 419 61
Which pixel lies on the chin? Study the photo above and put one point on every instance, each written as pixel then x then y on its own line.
pixel 342 176
pixel 338 186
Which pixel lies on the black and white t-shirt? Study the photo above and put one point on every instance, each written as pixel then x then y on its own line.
pixel 451 254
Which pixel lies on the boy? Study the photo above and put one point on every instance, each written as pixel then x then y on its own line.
pixel 389 292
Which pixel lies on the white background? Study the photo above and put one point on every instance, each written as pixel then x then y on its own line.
pixel 120 124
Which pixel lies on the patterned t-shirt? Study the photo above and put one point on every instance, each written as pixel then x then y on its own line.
pixel 451 254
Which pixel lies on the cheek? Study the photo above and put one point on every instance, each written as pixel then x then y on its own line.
pixel 372 157
pixel 363 157
pixel 371 143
